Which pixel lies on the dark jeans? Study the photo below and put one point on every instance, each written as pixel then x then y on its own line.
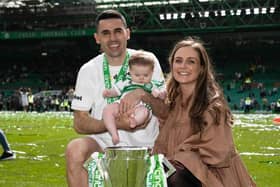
pixel 4 141
pixel 182 177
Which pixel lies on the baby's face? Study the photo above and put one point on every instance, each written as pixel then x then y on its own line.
pixel 141 74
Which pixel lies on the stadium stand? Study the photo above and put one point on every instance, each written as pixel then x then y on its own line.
pixel 43 43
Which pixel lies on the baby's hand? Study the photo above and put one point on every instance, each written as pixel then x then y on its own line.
pixel 109 93
pixel 155 93
pixel 162 95
pixel 105 93
pixel 159 94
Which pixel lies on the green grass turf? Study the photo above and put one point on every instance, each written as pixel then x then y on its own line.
pixel 258 141
pixel 40 141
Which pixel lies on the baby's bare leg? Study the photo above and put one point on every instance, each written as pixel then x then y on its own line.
pixel 140 116
pixel 109 114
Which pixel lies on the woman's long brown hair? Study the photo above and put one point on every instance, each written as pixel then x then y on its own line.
pixel 207 94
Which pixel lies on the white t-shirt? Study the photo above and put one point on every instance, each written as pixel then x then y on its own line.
pixel 88 96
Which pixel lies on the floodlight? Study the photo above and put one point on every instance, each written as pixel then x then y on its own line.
pixel 247 11
pixel 168 16
pixel 183 15
pixel 256 11
pixel 238 12
pixel 264 11
pixel 192 15
pixel 216 13
pixel 223 13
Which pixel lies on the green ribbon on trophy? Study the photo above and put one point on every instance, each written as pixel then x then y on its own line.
pixel 95 178
pixel 156 175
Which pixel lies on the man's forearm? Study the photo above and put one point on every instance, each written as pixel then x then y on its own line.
pixel 85 124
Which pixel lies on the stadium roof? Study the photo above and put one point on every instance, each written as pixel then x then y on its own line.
pixel 26 3
pixel 143 16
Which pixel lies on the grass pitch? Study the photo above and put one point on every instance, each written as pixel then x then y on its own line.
pixel 39 140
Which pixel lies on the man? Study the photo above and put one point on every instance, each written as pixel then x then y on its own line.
pixel 99 73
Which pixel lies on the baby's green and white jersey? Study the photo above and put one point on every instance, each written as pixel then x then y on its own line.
pixel 122 87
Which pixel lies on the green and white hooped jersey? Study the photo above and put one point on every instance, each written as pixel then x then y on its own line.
pixel 123 87
pixel 128 85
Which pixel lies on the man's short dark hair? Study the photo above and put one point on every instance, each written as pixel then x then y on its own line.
pixel 109 14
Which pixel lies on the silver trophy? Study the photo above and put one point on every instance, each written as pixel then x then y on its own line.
pixel 127 166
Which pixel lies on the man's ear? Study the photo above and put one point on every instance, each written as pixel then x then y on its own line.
pixel 96 38
pixel 128 33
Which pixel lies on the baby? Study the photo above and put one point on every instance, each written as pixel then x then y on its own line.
pixel 141 66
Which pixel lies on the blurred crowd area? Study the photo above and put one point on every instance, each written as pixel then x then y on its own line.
pixel 47 83
pixel 38 86
pixel 256 88
pixel 24 99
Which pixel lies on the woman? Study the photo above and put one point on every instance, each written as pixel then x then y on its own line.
pixel 196 133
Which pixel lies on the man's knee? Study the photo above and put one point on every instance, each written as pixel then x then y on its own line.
pixel 71 153
pixel 75 150
pixel 78 150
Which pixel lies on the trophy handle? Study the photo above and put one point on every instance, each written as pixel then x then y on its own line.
pixel 104 172
pixel 169 166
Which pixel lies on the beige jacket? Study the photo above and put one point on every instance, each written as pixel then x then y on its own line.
pixel 210 156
